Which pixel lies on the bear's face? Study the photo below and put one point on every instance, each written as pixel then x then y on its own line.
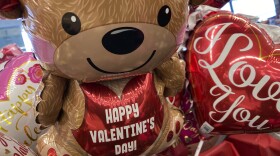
pixel 91 40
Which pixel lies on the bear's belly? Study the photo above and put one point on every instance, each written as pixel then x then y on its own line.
pixel 126 125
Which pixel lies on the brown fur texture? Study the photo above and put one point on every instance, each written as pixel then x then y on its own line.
pixel 52 100
pixel 73 115
pixel 45 21
pixel 172 74
pixel 63 102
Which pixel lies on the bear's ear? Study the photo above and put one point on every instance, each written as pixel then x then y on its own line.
pixel 10 9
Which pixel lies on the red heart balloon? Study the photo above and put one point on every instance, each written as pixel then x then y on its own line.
pixel 234 70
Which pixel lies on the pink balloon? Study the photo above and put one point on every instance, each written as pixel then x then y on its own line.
pixel 20 76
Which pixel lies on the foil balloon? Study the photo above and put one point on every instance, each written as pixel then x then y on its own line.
pixel 175 100
pixel 133 43
pixel 11 147
pixel 190 132
pixel 8 52
pixel 124 122
pixel 20 76
pixel 109 67
pixel 234 73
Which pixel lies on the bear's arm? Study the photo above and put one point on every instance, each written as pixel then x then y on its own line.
pixel 172 73
pixel 52 100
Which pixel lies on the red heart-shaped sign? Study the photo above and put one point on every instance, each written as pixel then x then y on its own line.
pixel 234 70
pixel 127 124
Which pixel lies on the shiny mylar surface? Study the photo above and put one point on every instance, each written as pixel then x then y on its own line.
pixel 11 147
pixel 97 40
pixel 234 72
pixel 133 119
pixel 20 77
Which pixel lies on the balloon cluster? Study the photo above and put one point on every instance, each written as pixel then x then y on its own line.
pixel 105 77
pixel 110 74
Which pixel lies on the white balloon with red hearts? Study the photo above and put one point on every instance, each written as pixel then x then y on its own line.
pixel 11 147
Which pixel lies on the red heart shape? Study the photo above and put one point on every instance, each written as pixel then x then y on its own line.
pixel 110 122
pixel 234 70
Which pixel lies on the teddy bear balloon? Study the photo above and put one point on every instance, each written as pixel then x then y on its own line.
pixel 109 65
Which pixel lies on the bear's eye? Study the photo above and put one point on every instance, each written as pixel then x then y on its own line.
pixel 164 16
pixel 71 23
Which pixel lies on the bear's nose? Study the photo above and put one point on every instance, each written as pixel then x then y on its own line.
pixel 123 40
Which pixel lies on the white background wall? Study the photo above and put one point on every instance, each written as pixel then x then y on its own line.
pixel 264 9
